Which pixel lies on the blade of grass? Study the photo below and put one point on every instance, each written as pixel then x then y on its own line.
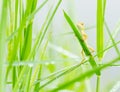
pixel 101 5
pixel 100 22
pixel 3 26
pixel 82 42
pixel 27 81
pixel 16 14
pixel 14 76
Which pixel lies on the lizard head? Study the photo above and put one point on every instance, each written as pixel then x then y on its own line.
pixel 80 25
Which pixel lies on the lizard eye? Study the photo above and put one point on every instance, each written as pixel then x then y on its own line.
pixel 82 24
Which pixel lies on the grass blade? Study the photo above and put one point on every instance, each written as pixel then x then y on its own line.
pixel 81 41
pixel 100 22
pixel 3 26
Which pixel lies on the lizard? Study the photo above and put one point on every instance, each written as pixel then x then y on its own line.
pixel 81 28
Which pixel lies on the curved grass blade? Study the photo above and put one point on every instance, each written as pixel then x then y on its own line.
pixel 82 43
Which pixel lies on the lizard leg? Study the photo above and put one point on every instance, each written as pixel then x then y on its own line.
pixel 91 49
pixel 83 56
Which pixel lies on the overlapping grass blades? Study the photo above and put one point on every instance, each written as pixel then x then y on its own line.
pixel 27 59
pixel 33 52
pixel 25 19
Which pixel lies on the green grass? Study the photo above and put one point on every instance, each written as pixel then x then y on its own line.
pixel 3 25
pixel 46 60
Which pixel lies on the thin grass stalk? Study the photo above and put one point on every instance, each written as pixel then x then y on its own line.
pixel 20 78
pixel 114 34
pixel 101 5
pixel 27 81
pixel 40 66
pixel 36 88
pixel 14 76
pixel 112 39
pixel 100 35
pixel 98 84
pixel 38 70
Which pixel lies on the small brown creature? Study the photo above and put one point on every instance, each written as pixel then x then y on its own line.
pixel 81 27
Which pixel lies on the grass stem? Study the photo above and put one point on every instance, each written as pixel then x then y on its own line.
pixel 98 84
